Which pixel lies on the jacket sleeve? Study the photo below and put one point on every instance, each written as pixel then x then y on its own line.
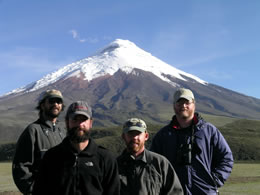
pixel 23 162
pixel 43 183
pixel 156 143
pixel 171 185
pixel 222 161
pixel 111 182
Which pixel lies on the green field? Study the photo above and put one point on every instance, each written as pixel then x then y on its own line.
pixel 244 180
pixel 6 180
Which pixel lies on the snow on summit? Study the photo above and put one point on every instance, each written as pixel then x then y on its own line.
pixel 120 54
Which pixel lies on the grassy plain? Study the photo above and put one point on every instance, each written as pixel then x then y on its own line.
pixel 7 185
pixel 244 180
pixel 242 135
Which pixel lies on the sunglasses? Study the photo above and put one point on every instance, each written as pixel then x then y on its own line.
pixel 55 100
pixel 137 124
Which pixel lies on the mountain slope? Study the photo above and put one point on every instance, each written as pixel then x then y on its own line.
pixel 121 81
pixel 120 54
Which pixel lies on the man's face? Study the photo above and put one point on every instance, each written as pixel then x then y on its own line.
pixel 78 128
pixel 135 141
pixel 184 109
pixel 52 107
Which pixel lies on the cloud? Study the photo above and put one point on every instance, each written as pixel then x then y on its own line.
pixel 75 35
pixel 82 40
pixel 92 40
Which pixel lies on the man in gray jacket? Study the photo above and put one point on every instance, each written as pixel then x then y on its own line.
pixel 143 172
pixel 36 139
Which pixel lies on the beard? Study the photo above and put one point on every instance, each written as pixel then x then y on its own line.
pixel 52 113
pixel 73 134
pixel 184 113
pixel 134 147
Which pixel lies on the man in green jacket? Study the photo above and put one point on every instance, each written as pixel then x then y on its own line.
pixel 36 139
pixel 141 171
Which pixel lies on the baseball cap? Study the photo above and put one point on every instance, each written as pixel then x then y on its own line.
pixel 79 108
pixel 51 93
pixel 183 93
pixel 134 124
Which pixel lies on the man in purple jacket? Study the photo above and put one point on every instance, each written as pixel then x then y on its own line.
pixel 197 150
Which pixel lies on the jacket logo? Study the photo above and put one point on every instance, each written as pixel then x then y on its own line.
pixel 89 164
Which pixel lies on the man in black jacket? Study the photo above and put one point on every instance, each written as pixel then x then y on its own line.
pixel 78 165
pixel 37 138
pixel 143 172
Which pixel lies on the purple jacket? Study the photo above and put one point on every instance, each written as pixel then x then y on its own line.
pixel 211 159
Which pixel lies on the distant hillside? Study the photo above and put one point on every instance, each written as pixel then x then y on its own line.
pixel 243 136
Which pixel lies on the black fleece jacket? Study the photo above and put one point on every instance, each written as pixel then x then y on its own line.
pixel 93 171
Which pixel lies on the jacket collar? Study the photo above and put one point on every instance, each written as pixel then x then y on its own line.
pixel 127 156
pixel 47 123
pixel 175 124
pixel 90 150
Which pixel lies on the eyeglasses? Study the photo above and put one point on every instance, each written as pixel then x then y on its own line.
pixel 184 102
pixel 55 100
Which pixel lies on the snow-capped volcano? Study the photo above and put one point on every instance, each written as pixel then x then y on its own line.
pixel 122 81
pixel 120 54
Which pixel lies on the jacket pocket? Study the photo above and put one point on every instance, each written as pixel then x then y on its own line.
pixel 153 181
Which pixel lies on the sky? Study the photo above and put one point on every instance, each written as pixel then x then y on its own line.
pixel 216 40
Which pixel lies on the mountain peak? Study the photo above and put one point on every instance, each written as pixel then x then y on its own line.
pixel 118 43
pixel 119 54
